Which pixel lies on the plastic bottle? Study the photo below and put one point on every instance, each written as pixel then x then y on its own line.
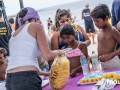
pixel 95 62
pixel 84 64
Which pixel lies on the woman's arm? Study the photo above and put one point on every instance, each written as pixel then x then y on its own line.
pixel 85 36
pixel 39 33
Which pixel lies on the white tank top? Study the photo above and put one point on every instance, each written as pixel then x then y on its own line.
pixel 23 49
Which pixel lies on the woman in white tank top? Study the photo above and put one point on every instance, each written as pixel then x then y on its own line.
pixel 26 44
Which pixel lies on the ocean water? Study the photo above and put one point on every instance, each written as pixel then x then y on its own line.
pixel 75 8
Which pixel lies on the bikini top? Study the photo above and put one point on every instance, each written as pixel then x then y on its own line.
pixel 74 52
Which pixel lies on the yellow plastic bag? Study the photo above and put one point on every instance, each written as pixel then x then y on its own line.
pixel 59 72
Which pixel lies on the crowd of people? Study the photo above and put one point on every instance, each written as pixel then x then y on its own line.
pixel 30 52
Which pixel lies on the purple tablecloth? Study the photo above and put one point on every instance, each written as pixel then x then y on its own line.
pixel 72 83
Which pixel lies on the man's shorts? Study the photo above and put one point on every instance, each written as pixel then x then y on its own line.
pixel 89 26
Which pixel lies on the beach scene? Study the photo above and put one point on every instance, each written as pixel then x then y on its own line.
pixel 99 68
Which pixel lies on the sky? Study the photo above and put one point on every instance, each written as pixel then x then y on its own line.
pixel 12 6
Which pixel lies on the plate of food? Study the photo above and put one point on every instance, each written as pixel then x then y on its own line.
pixel 90 79
pixel 95 77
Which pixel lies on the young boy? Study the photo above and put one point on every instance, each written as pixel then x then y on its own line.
pixel 3 64
pixel 107 38
pixel 67 34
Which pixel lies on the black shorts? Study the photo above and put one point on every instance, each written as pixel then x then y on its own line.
pixel 26 80
pixel 89 26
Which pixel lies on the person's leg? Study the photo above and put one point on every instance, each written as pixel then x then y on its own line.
pixel 92 31
pixel 87 28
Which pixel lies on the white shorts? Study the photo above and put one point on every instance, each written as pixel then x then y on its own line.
pixel 111 64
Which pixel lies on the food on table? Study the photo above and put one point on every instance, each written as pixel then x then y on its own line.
pixel 99 78
pixel 105 76
pixel 116 77
pixel 86 80
pixel 82 81
pixel 90 80
pixel 94 79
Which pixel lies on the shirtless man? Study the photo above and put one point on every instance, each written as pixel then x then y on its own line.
pixel 107 38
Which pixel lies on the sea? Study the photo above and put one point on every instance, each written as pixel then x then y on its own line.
pixel 75 9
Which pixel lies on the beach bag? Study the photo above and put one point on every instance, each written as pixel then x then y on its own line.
pixel 59 72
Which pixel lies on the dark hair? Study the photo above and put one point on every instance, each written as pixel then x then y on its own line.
pixel 56 20
pixel 11 21
pixel 100 11
pixel 3 51
pixel 67 29
pixel 0 14
pixel 21 14
pixel 62 13
pixel 59 14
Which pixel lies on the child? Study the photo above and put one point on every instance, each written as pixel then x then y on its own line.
pixel 107 38
pixel 67 33
pixel 3 64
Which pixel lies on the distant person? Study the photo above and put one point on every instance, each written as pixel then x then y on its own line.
pixel 25 45
pixel 67 34
pixel 108 37
pixel 12 24
pixel 49 21
pixel 4 34
pixel 89 26
pixel 116 16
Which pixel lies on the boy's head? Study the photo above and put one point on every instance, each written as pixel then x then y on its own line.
pixel 100 15
pixel 87 5
pixel 11 21
pixel 67 33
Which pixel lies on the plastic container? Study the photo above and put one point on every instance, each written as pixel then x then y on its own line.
pixel 84 64
pixel 95 62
